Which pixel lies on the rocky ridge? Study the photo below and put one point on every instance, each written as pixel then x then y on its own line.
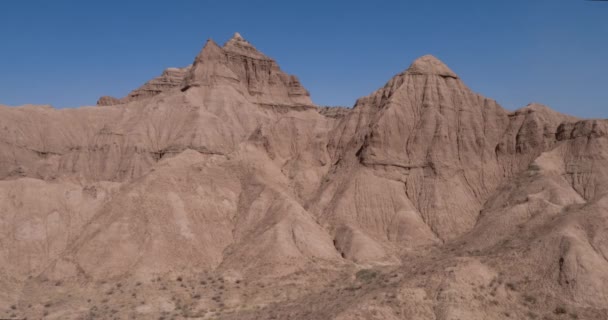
pixel 170 78
pixel 241 62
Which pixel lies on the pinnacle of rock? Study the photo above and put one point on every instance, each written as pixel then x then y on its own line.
pixel 240 65
pixel 211 51
pixel 429 65
pixel 238 45
pixel 237 36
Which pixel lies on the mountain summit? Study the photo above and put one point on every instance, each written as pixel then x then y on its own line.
pixel 238 46
pixel 429 65
pixel 219 190
pixel 237 64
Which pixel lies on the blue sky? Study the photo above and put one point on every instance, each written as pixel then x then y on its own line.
pixel 68 53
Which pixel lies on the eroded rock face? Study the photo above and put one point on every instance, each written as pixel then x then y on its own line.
pixel 256 75
pixel 239 62
pixel 441 148
pixel 171 78
pixel 108 101
pixel 423 194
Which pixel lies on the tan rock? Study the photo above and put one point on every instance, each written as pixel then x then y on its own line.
pixel 170 78
pixel 220 190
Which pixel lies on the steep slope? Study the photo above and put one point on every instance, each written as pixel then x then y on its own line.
pixel 230 204
pixel 259 77
pixel 231 211
pixel 215 122
pixel 170 78
pixel 253 73
pixel 417 159
pixel 537 251
pixel 119 143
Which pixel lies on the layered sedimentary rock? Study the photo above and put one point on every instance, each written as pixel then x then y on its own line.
pixel 220 190
pixel 170 78
pixel 417 159
pixel 239 61
pixel 258 76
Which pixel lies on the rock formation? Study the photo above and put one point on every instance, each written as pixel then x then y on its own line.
pixel 257 76
pixel 238 61
pixel 170 78
pixel 220 190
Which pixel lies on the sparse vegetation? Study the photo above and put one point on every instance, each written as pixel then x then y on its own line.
pixel 366 275
pixel 511 286
pixel 529 299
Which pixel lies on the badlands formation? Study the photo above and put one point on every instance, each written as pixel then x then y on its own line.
pixel 220 191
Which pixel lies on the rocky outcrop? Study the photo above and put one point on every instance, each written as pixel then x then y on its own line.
pixel 170 78
pixel 584 128
pixel 108 101
pixel 434 139
pixel 334 112
pixel 240 64
pixel 425 153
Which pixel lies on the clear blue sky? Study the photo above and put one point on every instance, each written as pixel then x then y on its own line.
pixel 68 53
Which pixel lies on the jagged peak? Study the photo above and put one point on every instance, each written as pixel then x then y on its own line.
pixel 211 49
pixel 430 65
pixel 238 45
pixel 237 38
pixel 210 65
